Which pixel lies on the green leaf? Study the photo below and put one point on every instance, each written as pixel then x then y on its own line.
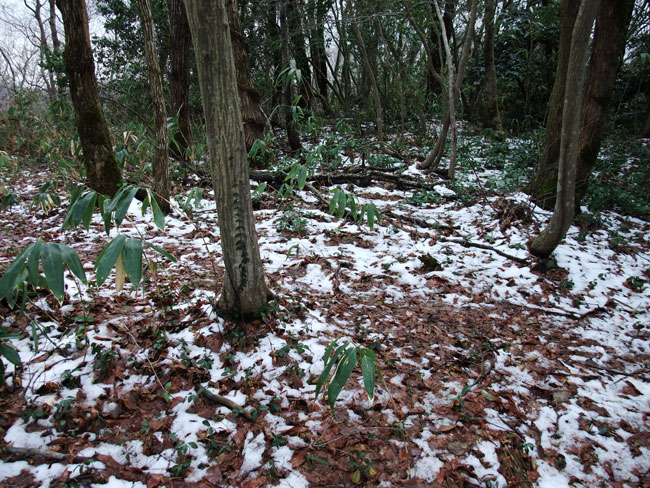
pixel 356 477
pixel 158 216
pixel 71 258
pixel 122 205
pixel 10 353
pixel 34 336
pixel 333 201
pixel 329 362
pixel 160 250
pixel 488 395
pixel 343 371
pixel 353 207
pixel 302 176
pixel 368 361
pixel 107 258
pixel 340 204
pixel 12 273
pixel 133 261
pixel 53 268
pixel 32 262
pixel 81 209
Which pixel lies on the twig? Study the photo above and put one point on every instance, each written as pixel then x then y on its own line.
pixel 227 402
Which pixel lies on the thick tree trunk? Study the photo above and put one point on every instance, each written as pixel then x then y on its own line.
pixel 99 160
pixel 254 118
pixel 161 157
pixel 606 54
pixel 287 95
pixel 243 289
pixel 379 112
pixel 546 242
pixel 492 116
pixel 179 79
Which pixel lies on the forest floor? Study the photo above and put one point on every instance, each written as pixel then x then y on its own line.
pixel 499 369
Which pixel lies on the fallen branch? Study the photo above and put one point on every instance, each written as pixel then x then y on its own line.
pixel 480 245
pixel 31 453
pixel 227 402
pixel 358 178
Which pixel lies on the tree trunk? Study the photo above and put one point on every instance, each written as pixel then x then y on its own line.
pixel 492 116
pixel 435 155
pixel 179 79
pixel 99 160
pixel 317 47
pixel 299 53
pixel 645 134
pixel 161 157
pixel 608 48
pixel 451 87
pixel 546 242
pixel 379 113
pixel 287 95
pixel 243 289
pixel 606 56
pixel 254 118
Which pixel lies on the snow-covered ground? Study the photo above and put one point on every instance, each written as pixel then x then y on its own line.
pixel 497 368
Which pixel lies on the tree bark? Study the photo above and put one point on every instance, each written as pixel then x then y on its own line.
pixel 161 156
pixel 492 115
pixel 318 53
pixel 254 118
pixel 435 155
pixel 287 95
pixel 180 40
pixel 299 52
pixel 379 113
pixel 645 134
pixel 546 242
pixel 102 172
pixel 608 48
pixel 606 56
pixel 243 289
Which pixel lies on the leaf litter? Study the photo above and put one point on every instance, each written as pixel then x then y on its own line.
pixel 496 371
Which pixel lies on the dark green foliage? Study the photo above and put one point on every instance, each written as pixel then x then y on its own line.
pixel 621 178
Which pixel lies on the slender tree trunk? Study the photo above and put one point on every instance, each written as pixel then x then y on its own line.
pixel 161 158
pixel 318 9
pixel 99 160
pixel 546 242
pixel 254 119
pixel 492 116
pixel 451 86
pixel 287 96
pixel 606 54
pixel 379 113
pixel 435 155
pixel 645 134
pixel 243 289
pixel 180 40
pixel 543 188
pixel 299 52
